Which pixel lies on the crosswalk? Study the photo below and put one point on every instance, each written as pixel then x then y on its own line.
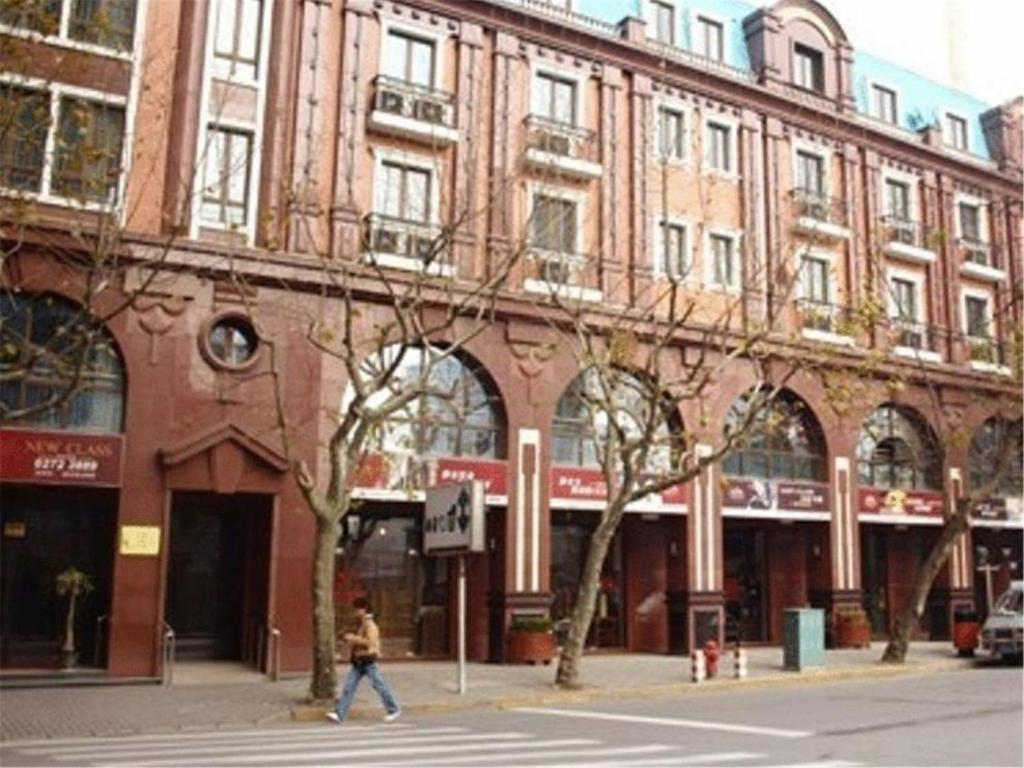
pixel 397 745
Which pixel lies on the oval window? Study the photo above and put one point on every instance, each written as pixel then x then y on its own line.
pixel 232 341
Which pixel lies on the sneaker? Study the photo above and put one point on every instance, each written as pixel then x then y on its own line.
pixel 333 717
pixel 390 717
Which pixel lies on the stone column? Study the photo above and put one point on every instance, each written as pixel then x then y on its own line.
pixel 611 266
pixel 468 98
pixel 504 151
pixel 873 244
pixel 961 561
pixel 705 605
pixel 640 105
pixel 856 249
pixel 351 132
pixel 752 177
pixel 775 234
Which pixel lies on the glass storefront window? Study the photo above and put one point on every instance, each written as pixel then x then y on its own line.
pixel 896 449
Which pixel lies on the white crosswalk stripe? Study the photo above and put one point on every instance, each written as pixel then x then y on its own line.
pixel 397 745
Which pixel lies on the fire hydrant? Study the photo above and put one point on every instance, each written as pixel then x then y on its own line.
pixel 711 654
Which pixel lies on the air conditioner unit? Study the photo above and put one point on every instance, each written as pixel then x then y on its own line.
pixel 556 271
pixel 387 240
pixel 978 256
pixel 391 101
pixel 912 339
pixel 421 248
pixel 555 143
pixel 816 210
pixel 429 111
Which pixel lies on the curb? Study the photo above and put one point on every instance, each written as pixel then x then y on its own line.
pixel 313 713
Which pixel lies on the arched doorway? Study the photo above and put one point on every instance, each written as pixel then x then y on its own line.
pixel 644 571
pixel 457 430
pixel 62 394
pixel 900 504
pixel 775 516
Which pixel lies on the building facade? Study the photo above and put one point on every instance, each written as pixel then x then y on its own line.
pixel 629 144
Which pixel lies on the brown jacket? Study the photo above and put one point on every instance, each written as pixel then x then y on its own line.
pixel 365 642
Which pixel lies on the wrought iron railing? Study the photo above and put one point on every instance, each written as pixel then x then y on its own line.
pixel 818 206
pixel 977 251
pixel 400 97
pixel 897 229
pixel 561 139
pixel 560 268
pixel 985 349
pixel 922 337
pixel 394 236
pixel 827 317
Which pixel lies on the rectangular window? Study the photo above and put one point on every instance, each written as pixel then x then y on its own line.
pixel 664 16
pixel 808 68
pixel 410 59
pixel 723 270
pixel 87 161
pixel 718 153
pixel 956 132
pixel 816 280
pixel 109 23
pixel 41 16
pixel 709 39
pixel 554 98
pixel 674 256
pixel 810 174
pixel 970 223
pixel 23 130
pixel 406 192
pixel 553 227
pixel 904 298
pixel 226 177
pixel 883 103
pixel 977 317
pixel 897 200
pixel 671 134
pixel 236 38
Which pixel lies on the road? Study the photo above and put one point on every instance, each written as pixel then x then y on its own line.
pixel 969 717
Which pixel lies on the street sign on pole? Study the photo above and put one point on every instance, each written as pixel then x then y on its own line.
pixel 453 524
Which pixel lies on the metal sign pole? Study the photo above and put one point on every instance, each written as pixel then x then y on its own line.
pixel 462 624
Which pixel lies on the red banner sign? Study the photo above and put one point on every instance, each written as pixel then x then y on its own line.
pixel 900 502
pixel 587 484
pixel 60 458
pixel 494 474
pixel 744 493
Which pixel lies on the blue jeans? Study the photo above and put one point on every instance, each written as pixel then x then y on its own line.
pixel 352 680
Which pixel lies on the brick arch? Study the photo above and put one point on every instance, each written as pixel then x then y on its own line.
pixel 814 13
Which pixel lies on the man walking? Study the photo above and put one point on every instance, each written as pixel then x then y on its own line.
pixel 365 644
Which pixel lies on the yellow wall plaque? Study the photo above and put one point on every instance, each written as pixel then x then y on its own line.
pixel 140 540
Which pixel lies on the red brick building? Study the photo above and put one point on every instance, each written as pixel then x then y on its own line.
pixel 660 141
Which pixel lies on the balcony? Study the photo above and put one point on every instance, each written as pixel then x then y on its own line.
pixel 413 112
pixel 907 240
pixel 979 260
pixel 409 245
pixel 988 355
pixel 819 216
pixel 559 148
pixel 560 273
pixel 918 341
pixel 826 322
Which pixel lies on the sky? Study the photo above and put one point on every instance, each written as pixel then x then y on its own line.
pixel 979 46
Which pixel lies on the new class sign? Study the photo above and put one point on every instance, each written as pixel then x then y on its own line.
pixel 60 458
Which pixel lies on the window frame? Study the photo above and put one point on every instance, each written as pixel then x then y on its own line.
pixel 222 224
pixel 810 54
pixel 710 259
pixel 390 24
pixel 977 294
pixel 949 117
pixel 386 156
pixel 731 125
pixel 57 92
pixel 822 257
pixel 917 280
pixel 218 67
pixel 557 76
pixel 654 9
pixel 679 109
pixel 982 206
pixel 658 261
pixel 701 21
pixel 62 38
pixel 912 182
pixel 873 87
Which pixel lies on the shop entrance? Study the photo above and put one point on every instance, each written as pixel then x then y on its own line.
pixel 47 530
pixel 746 577
pixel 218 574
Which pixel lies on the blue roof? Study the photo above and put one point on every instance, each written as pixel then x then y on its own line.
pixel 921 101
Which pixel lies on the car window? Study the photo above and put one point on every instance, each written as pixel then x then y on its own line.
pixel 1011 601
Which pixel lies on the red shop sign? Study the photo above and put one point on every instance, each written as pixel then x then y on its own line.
pixel 900 502
pixel 993 508
pixel 60 458
pixel 803 497
pixel 457 470
pixel 578 483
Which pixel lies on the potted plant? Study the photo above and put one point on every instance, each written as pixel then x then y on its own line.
pixel 530 639
pixel 71 583
pixel 852 628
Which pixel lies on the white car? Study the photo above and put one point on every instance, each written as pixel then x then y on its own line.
pixel 1003 632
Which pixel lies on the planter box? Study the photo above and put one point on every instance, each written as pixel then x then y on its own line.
pixel 530 647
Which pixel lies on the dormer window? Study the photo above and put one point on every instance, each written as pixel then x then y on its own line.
pixel 956 132
pixel 883 104
pixel 663 16
pixel 709 36
pixel 808 68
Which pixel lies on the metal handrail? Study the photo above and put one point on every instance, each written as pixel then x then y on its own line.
pixel 170 652
pixel 101 621
pixel 274 656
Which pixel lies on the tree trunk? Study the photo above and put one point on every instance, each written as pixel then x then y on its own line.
pixel 583 612
pixel 910 616
pixel 325 675
pixel 69 625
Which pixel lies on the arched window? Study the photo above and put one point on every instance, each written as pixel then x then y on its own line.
pixel 580 421
pixel 897 449
pixel 54 351
pixel 463 416
pixel 784 442
pixel 988 443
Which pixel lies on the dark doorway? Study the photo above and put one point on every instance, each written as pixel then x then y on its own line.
pixel 218 574
pixel 745 582
pixel 47 530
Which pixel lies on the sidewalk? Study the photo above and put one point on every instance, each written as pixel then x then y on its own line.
pixel 216 696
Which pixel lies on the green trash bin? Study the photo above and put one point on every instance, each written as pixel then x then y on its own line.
pixel 804 638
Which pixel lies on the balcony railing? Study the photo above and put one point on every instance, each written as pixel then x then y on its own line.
pixel 897 229
pixel 561 147
pixel 977 251
pixel 826 317
pixel 427 105
pixel 569 274
pixel 984 349
pixel 921 337
pixel 416 241
pixel 815 205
